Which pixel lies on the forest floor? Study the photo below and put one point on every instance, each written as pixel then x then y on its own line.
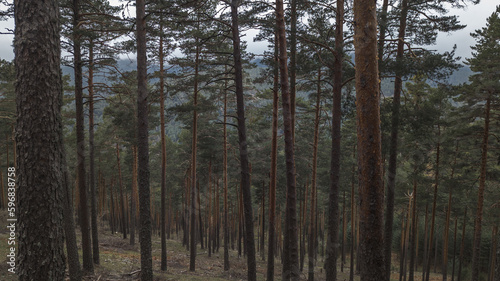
pixel 121 261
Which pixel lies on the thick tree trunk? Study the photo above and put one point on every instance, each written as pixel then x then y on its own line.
pixel 333 200
pixel 446 238
pixel 245 169
pixel 40 173
pixel 273 173
pixel 80 142
pixel 476 250
pixel 143 146
pixel 290 250
pixel 93 193
pixel 163 160
pixel 369 142
pixel 392 169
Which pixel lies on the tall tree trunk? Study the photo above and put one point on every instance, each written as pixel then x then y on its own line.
pixel 290 250
pixel 40 172
pixel 93 193
pixel 263 222
pixel 476 250
pixel 312 233
pixel 143 145
pixel 369 142
pixel 245 170
pixel 80 142
pixel 192 253
pixel 433 217
pixel 273 173
pixel 333 199
pixel 226 222
pixel 392 170
pixel 163 158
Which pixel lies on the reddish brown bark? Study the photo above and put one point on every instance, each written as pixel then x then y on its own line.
pixel 371 189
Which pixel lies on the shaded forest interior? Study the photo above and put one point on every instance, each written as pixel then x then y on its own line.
pixel 349 149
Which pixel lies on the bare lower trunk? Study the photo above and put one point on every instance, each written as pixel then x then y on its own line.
pixel 290 250
pixel 143 146
pixel 245 168
pixel 369 142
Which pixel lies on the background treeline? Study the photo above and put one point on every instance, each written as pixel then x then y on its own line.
pixel 447 145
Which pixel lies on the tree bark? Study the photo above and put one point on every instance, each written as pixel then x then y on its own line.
pixel 40 172
pixel 143 145
pixel 290 250
pixel 333 200
pixel 245 170
pixel 369 142
pixel 476 250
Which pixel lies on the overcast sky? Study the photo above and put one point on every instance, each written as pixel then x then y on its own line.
pixel 474 16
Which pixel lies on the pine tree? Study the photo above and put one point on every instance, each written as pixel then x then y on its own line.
pixel 41 165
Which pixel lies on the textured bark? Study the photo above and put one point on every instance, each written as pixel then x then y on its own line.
pixel 273 173
pixel 476 249
pixel 194 141
pixel 163 160
pixel 353 218
pixel 333 200
pixel 392 169
pixel 143 146
pixel 245 169
pixel 290 250
pixel 93 193
pixel 41 193
pixel 371 189
pixel 80 143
